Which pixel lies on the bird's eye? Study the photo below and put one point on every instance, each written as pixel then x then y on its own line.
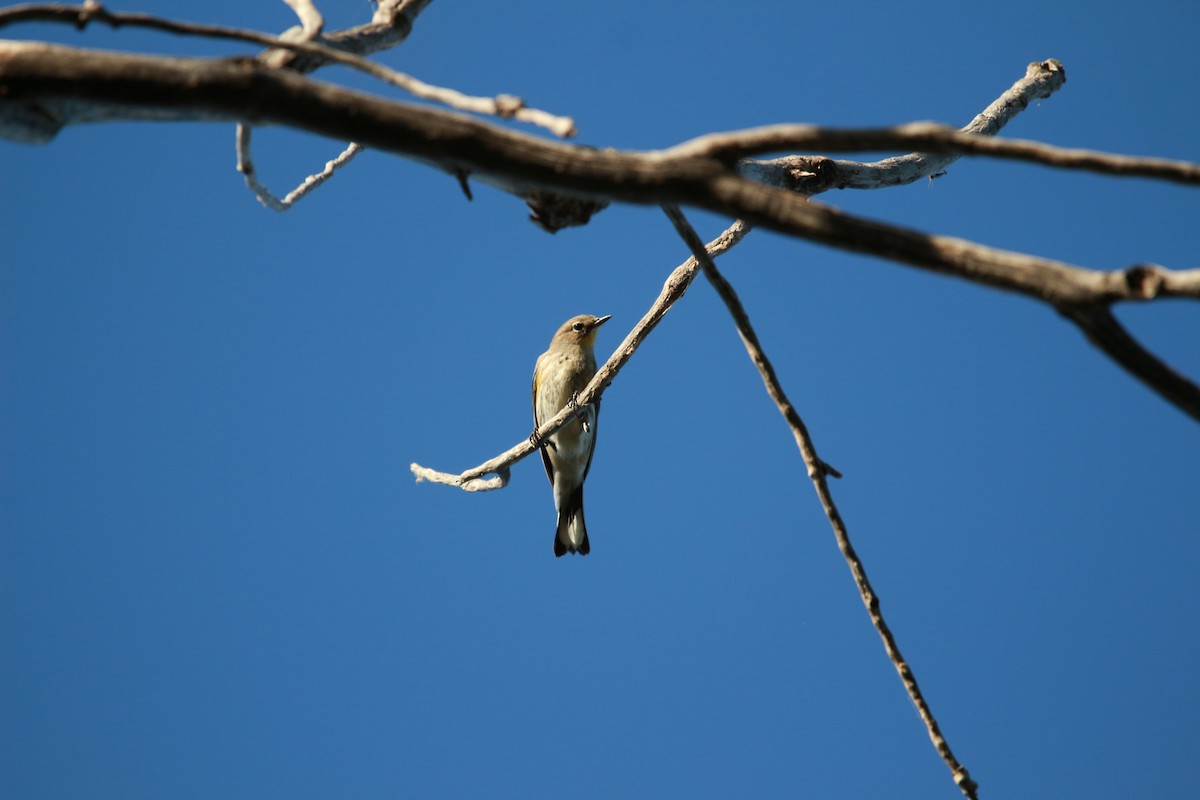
pixel 577 327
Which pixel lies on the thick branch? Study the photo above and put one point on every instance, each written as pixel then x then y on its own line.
pixel 505 106
pixel 54 85
pixel 76 85
pixel 73 85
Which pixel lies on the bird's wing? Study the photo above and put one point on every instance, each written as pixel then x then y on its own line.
pixel 546 463
pixel 537 423
pixel 592 449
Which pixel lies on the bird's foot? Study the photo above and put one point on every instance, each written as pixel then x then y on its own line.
pixel 580 413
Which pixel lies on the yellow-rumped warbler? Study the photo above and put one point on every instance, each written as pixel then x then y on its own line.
pixel 560 374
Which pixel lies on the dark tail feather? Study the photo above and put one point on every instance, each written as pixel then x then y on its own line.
pixel 570 517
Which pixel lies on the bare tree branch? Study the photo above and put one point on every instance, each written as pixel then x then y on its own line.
pixel 676 285
pixel 73 85
pixel 311 21
pixel 46 87
pixel 390 25
pixel 810 175
pixel 505 106
pixel 1105 332
pixel 53 85
pixel 245 165
pixel 750 340
pixel 300 40
pixel 818 471
pixel 932 137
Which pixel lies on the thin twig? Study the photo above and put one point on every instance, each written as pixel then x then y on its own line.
pixel 932 137
pixel 676 285
pixel 774 388
pixel 813 174
pixel 504 106
pixel 245 165
pixel 818 471
pixel 311 21
pixel 935 146
pixel 390 25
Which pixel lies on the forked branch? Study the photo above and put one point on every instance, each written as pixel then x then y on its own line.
pixel 505 106
pixel 49 86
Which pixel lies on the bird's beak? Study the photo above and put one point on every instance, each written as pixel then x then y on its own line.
pixel 601 321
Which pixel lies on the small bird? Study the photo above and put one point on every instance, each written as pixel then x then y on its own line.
pixel 560 375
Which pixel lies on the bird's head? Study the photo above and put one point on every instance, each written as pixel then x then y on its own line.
pixel 580 330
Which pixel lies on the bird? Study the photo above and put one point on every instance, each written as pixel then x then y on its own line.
pixel 560 375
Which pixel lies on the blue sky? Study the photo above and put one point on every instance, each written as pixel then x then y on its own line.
pixel 219 580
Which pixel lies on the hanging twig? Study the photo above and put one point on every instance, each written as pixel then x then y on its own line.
pixel 245 165
pixel 818 471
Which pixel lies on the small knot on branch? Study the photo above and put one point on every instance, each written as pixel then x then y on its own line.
pixel 1144 280
pixel 962 779
pixel 507 105
pixel 88 11
pixel 1053 65
pixel 1054 72
pixel 811 175
pixel 553 212
pixel 497 481
pixel 829 469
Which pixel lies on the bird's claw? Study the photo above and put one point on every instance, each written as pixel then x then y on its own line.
pixel 539 443
pixel 580 413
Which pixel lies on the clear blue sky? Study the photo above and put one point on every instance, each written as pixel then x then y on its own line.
pixel 219 580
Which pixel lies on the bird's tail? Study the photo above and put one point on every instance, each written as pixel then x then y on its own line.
pixel 572 532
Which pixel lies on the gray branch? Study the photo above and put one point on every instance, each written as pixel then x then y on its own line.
pixel 49 86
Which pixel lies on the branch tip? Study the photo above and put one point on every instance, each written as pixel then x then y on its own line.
pixel 463 182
